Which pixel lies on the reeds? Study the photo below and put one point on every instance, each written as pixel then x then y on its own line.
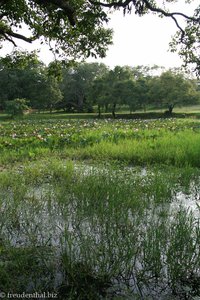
pixel 98 232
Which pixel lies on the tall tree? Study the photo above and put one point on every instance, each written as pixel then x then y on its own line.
pixel 173 89
pixel 51 95
pixel 113 88
pixel 142 92
pixel 76 84
pixel 116 78
pixel 128 94
pixel 20 77
pixel 99 93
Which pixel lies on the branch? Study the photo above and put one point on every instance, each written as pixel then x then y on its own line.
pixel 179 27
pixel 171 15
pixel 150 7
pixel 9 33
pixel 112 4
pixel 64 5
pixel 19 36
pixel 168 14
pixel 9 39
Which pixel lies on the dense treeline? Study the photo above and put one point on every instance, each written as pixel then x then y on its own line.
pixel 81 87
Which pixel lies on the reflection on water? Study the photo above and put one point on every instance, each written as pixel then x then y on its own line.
pixel 190 202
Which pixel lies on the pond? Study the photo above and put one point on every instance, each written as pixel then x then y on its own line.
pixel 100 232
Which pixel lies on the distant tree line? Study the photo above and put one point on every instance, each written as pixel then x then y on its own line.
pixel 83 86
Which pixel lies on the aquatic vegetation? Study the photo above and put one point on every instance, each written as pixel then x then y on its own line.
pixel 100 209
pixel 109 230
pixel 137 141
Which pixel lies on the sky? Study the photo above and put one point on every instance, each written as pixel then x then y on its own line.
pixel 136 41
pixel 141 41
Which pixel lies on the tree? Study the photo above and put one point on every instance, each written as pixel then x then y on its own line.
pixel 172 89
pixel 114 87
pixel 76 85
pixel 142 92
pixel 187 41
pixel 76 26
pixel 141 71
pixel 20 77
pixel 128 95
pixel 50 95
pixel 116 78
pixel 99 93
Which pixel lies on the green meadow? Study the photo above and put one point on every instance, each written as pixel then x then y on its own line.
pixel 100 208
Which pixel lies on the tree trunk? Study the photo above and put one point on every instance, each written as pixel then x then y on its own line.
pixel 113 110
pixel 99 111
pixel 170 108
pixel 51 108
pixel 106 108
pixel 80 103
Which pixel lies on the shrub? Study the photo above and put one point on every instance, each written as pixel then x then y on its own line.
pixel 16 107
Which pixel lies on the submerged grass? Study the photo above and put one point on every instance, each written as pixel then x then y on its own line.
pixel 97 232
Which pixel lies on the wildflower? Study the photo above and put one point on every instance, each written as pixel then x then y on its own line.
pixel 40 137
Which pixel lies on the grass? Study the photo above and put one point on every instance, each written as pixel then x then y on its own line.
pixel 100 209
pixel 172 149
pixel 192 111
pixel 140 142
pixel 113 212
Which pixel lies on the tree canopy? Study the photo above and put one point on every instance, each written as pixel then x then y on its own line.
pixel 84 87
pixel 77 26
pixel 172 89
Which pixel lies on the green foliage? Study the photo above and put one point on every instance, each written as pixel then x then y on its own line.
pixel 136 88
pixel 24 76
pixel 114 87
pixel 77 84
pixel 21 76
pixel 172 89
pixel 51 94
pixel 21 60
pixel 79 87
pixel 16 107
pixel 165 141
pixel 187 44
pixel 77 27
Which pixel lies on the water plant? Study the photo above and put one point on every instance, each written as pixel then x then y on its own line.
pixel 100 210
pixel 106 231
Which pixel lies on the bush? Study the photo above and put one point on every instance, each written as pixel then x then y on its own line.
pixel 16 107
